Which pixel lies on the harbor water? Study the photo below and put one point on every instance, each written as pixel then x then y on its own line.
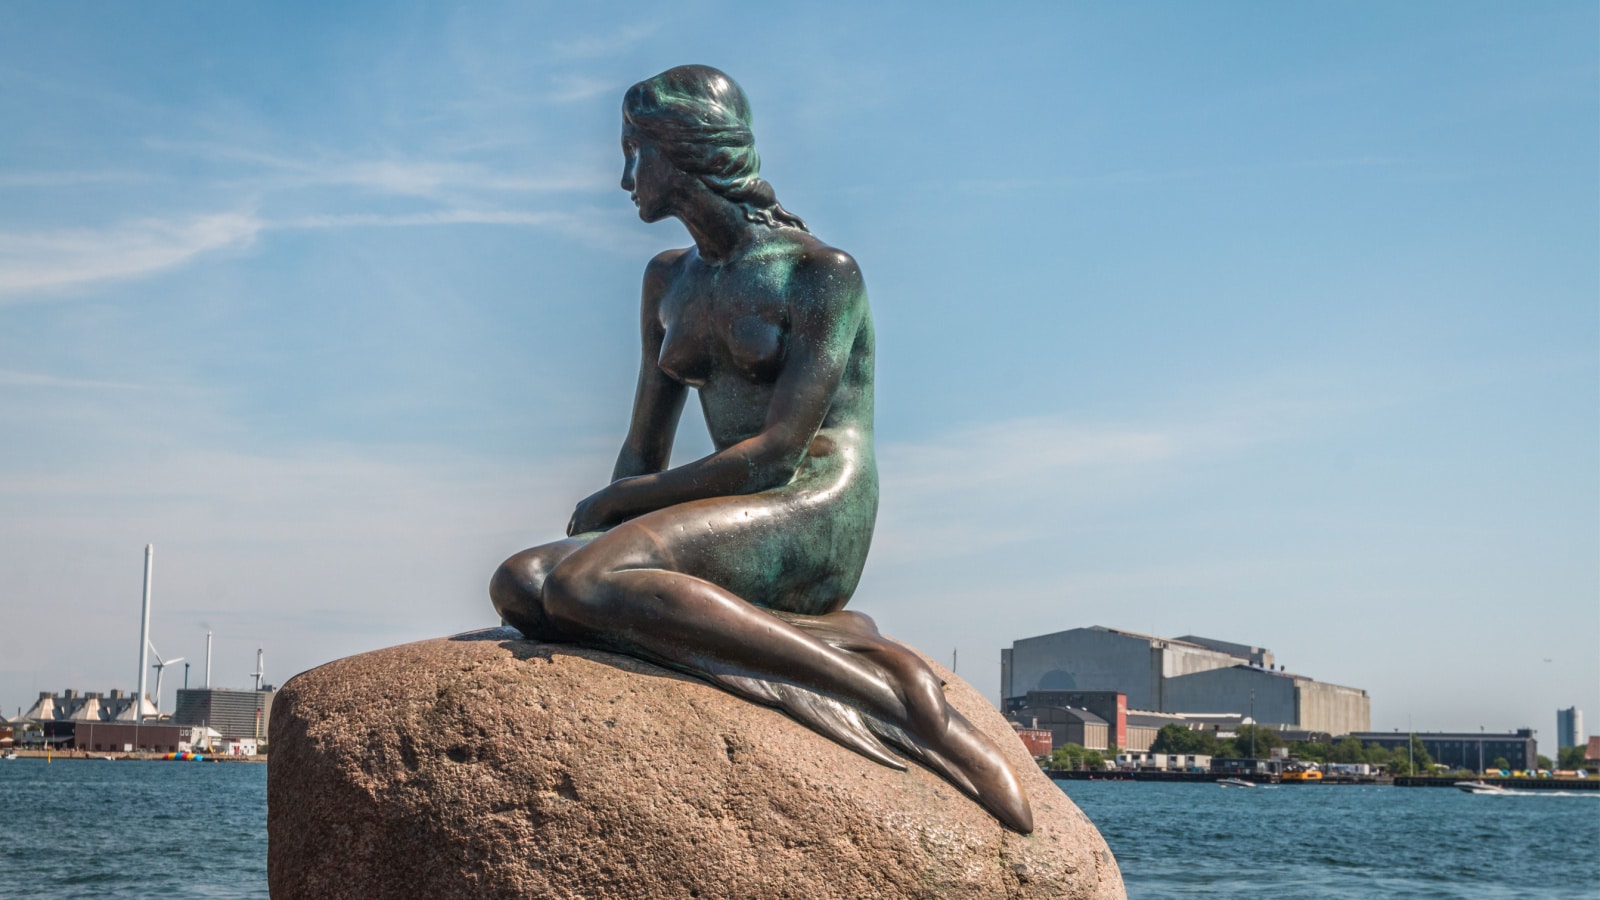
pixel 130 830
pixel 1345 842
pixel 91 828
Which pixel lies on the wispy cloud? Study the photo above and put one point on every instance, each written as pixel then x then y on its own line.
pixel 45 179
pixel 1134 178
pixel 573 88
pixel 44 264
pixel 611 44
pixel 384 175
pixel 50 260
pixel 12 378
pixel 1022 449
pixel 442 217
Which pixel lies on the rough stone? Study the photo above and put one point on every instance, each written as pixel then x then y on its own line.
pixel 489 766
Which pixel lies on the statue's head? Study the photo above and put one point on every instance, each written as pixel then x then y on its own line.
pixel 698 119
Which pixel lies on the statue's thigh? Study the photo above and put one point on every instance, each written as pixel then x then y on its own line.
pixel 776 549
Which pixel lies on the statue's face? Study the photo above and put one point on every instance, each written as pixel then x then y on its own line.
pixel 647 176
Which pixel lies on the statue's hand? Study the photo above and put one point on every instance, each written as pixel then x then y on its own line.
pixel 594 512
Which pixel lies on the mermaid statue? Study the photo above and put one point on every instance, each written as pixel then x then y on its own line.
pixel 736 567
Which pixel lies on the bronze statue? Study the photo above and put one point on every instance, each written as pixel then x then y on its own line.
pixel 737 567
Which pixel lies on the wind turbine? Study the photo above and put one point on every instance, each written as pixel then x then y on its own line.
pixel 160 665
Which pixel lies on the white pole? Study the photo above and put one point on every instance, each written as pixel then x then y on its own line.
pixel 144 634
pixel 208 660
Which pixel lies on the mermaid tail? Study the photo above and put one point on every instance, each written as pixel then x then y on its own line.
pixel 964 756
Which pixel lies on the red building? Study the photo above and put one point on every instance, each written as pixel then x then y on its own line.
pixel 1039 741
pixel 118 737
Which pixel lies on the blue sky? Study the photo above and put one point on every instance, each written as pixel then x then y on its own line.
pixel 1275 323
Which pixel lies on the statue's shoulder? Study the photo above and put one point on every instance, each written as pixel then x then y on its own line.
pixel 830 265
pixel 664 262
pixel 659 271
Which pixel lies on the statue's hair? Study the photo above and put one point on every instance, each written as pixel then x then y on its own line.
pixel 700 119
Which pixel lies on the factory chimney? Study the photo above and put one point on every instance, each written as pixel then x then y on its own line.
pixel 144 635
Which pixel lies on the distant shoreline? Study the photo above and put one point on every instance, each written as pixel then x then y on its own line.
pixel 133 757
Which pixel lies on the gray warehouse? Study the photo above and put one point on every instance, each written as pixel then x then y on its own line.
pixel 1181 675
pixel 234 714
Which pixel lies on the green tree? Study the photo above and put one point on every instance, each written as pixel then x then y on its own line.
pixel 1175 738
pixel 1410 762
pixel 1316 751
pixel 1348 750
pixel 1545 763
pixel 1571 757
pixel 1076 756
pixel 1264 739
pixel 1500 762
pixel 1424 759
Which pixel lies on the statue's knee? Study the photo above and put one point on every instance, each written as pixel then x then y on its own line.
pixel 573 594
pixel 516 589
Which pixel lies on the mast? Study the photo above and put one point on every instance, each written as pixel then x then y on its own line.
pixel 144 635
pixel 208 660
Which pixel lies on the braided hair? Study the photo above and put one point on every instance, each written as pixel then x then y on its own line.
pixel 700 120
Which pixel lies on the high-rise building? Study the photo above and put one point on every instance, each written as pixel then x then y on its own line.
pixel 1569 728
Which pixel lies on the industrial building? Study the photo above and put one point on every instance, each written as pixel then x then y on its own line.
pixel 1079 716
pixel 1569 728
pixel 1066 725
pixel 233 714
pixel 1464 750
pixel 83 706
pixel 1110 707
pixel 1190 674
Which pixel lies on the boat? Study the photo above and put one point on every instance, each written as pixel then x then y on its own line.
pixel 1302 775
pixel 9 754
pixel 1481 787
pixel 1235 782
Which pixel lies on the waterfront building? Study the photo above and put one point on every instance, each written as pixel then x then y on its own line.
pixel 1464 750
pixel 1112 706
pixel 1164 762
pixel 127 737
pixel 234 714
pixel 1144 725
pixel 1190 674
pixel 83 706
pixel 1569 728
pixel 1040 742
pixel 1066 725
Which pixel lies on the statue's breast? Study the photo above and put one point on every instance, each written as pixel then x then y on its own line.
pixel 684 354
pixel 755 347
pixel 701 342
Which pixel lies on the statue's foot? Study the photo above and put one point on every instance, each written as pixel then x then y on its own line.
pixel 971 762
pixel 925 728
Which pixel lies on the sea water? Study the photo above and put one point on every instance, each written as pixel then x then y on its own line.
pixel 183 830
pixel 130 829
pixel 1345 841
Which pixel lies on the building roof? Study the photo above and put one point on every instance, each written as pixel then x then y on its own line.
pixel 1076 712
pixel 1445 735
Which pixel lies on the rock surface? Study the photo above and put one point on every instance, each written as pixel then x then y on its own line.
pixel 489 766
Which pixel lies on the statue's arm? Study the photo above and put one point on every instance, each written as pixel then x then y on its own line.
pixel 657 399
pixel 827 303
